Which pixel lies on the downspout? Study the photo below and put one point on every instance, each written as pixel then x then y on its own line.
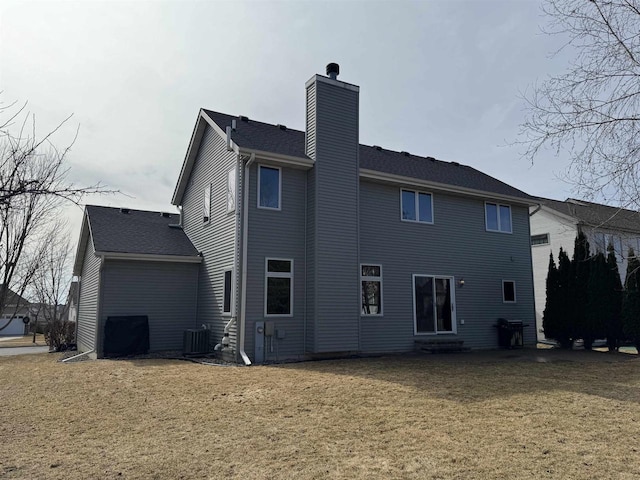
pixel 245 235
pixel 536 210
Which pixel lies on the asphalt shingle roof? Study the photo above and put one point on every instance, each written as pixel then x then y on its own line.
pixel 266 137
pixel 596 214
pixel 137 231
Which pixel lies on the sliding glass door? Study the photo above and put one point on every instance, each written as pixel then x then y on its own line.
pixel 433 304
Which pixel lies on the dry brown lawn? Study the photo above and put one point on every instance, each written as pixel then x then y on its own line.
pixel 573 415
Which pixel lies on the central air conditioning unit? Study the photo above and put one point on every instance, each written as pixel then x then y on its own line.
pixel 196 342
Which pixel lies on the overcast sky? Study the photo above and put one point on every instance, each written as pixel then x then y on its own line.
pixel 437 78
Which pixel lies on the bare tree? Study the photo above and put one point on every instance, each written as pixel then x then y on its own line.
pixel 592 111
pixel 33 186
pixel 50 285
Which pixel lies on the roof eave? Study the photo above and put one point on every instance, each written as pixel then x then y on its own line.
pixel 192 151
pixel 402 180
pixel 149 257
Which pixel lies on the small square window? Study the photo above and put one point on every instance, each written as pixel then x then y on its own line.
pixel 269 187
pixel 508 291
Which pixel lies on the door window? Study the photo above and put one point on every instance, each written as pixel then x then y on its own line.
pixel 433 304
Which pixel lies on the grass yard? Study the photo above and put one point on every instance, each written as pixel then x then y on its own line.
pixel 499 415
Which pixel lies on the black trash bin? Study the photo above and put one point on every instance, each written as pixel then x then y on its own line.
pixel 510 333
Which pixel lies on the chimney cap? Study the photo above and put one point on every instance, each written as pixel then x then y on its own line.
pixel 333 70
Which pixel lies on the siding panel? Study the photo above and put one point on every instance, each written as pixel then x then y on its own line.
pixel 88 300
pixel 455 245
pixel 165 292
pixel 214 239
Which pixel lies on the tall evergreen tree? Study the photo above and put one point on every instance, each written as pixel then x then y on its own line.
pixel 597 311
pixel 614 301
pixel 578 286
pixel 551 316
pixel 631 301
pixel 564 332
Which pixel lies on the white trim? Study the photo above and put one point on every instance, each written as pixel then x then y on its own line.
pixel 231 312
pixel 331 81
pixel 443 187
pixel 288 160
pixel 515 297
pixel 416 206
pixel 260 166
pixel 454 322
pixel 368 278
pixel 267 275
pixel 499 230
pixel 149 257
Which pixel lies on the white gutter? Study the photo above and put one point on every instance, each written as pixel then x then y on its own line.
pixel 245 232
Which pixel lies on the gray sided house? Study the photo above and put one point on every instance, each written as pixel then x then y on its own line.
pixel 15 309
pixel 556 224
pixel 135 263
pixel 313 244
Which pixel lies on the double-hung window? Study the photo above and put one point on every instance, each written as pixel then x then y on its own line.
pixel 206 204
pixel 278 299
pixel 497 217
pixel 269 187
pixel 416 206
pixel 371 285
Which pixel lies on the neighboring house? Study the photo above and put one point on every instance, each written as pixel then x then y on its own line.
pixel 135 263
pixel 312 244
pixel 556 224
pixel 11 316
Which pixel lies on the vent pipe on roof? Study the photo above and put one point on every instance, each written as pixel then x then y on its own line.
pixel 333 70
pixel 124 210
pixel 233 124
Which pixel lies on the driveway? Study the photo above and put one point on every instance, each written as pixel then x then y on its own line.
pixel 5 352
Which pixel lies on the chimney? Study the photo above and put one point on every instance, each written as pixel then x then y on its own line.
pixel 332 141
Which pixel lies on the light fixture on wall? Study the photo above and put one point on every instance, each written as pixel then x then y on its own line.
pixel 461 282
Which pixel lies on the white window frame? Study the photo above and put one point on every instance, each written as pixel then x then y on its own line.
pixel 267 275
pixel 540 235
pixel 417 206
pixel 367 278
pixel 515 296
pixel 260 166
pixel 232 190
pixel 499 230
pixel 232 303
pixel 206 207
pixel 454 320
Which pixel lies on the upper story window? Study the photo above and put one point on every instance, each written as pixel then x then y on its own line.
pixel 416 206
pixel 278 287
pixel 542 239
pixel 269 187
pixel 497 217
pixel 206 204
pixel 371 284
pixel 231 190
